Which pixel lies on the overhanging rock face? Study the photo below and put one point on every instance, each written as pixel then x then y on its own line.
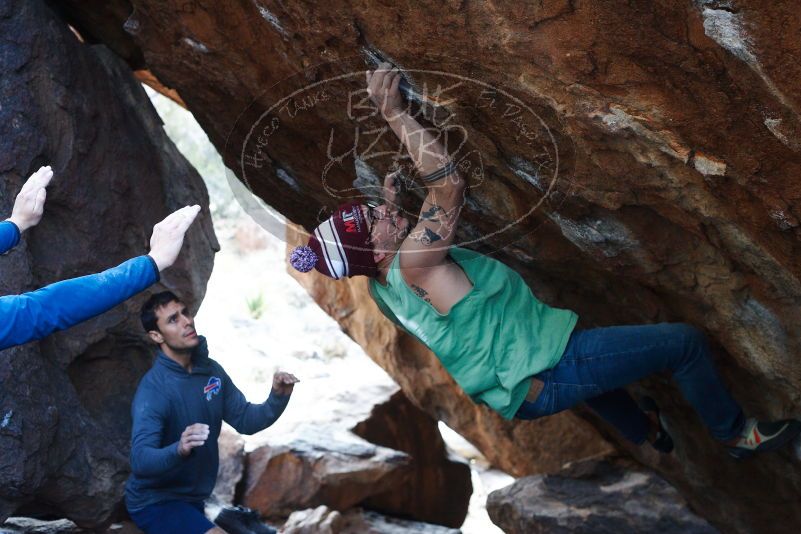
pixel 649 168
pixel 65 401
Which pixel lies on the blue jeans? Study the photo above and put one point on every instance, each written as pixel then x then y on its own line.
pixel 598 362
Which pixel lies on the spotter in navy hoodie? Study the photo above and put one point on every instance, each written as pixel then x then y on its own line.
pixel 168 400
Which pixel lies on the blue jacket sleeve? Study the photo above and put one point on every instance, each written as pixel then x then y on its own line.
pixel 9 236
pixel 248 418
pixel 150 413
pixel 64 304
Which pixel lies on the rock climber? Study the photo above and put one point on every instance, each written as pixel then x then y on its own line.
pixel 504 347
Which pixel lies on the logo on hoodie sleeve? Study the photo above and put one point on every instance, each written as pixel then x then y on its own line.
pixel 212 388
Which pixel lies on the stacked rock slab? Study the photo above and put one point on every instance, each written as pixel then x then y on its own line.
pixel 371 447
pixel 593 497
pixel 439 487
pixel 65 401
pixel 314 467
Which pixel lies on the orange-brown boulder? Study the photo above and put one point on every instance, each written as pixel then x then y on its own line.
pixel 369 446
pixel 316 466
pixel 439 487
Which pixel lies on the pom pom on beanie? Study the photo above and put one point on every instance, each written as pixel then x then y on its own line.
pixel 303 259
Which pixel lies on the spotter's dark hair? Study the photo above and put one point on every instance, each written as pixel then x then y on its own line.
pixel 156 301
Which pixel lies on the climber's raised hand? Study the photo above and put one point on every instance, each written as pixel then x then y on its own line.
pixel 382 86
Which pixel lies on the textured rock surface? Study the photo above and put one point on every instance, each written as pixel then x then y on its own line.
pixel 315 467
pixel 374 449
pixel 27 525
pixel 35 526
pixel 65 401
pixel 232 466
pixel 676 125
pixel 322 520
pixel 439 487
pixel 601 497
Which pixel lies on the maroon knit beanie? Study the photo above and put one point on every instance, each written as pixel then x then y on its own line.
pixel 339 246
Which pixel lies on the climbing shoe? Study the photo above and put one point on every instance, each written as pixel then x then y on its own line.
pixel 663 442
pixel 241 520
pixel 758 436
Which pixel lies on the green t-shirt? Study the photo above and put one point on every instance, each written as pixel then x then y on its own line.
pixel 493 340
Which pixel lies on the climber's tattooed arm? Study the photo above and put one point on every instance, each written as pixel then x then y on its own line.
pixel 426 236
pixel 422 293
pixel 428 243
pixel 432 213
